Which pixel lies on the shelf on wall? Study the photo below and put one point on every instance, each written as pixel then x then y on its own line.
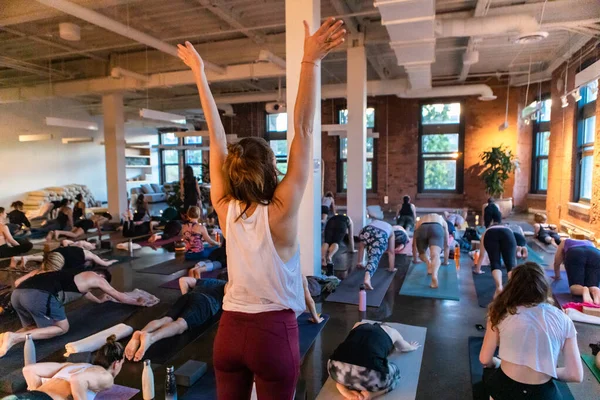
pixel 138 166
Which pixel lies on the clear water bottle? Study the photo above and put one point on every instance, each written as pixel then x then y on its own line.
pixel 170 384
pixel 147 381
pixel 362 298
pixel 29 351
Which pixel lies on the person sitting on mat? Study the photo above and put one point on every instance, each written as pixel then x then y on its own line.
pixel 216 259
pixel 407 214
pixel 17 216
pixel 9 246
pixel 133 228
pixel 376 238
pixel 64 257
pixel 582 263
pixel 499 242
pixel 327 206
pixel 336 228
pixel 359 365
pixel 530 333
pixel 141 212
pixel 194 235
pixel 62 381
pixel 171 230
pixel 491 213
pixel 42 314
pixel 544 232
pixel 431 232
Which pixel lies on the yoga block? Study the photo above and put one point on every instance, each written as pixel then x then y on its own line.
pixel 190 372
pixel 591 311
pixel 106 244
pixel 578 236
pixel 84 357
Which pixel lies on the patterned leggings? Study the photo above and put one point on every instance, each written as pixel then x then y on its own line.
pixel 359 378
pixel 376 243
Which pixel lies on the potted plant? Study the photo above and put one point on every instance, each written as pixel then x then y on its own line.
pixel 499 163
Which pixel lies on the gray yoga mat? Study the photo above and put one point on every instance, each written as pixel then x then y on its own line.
pixel 417 282
pixel 347 291
pixel 485 287
pixel 84 321
pixel 168 267
pixel 409 365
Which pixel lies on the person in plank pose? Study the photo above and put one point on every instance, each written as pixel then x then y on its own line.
pixel 431 233
pixel 582 263
pixel 376 239
pixel 259 217
pixel 500 245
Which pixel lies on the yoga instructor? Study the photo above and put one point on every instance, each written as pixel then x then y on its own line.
pixel 257 338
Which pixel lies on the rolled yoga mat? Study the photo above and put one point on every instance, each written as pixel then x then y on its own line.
pixel 168 267
pixel 97 340
pixel 417 282
pixel 479 389
pixel 409 365
pixel 590 361
pixel 117 392
pixel 84 321
pixel 560 288
pixel 205 388
pixel 347 291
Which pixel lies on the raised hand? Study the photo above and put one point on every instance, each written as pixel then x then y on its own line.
pixel 190 56
pixel 326 38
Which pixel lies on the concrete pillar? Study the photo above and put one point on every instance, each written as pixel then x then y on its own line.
pixel 309 226
pixel 357 131
pixel 114 147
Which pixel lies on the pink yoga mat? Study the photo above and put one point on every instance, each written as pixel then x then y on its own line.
pixel 117 392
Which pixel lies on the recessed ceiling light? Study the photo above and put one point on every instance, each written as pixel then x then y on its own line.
pixel 531 37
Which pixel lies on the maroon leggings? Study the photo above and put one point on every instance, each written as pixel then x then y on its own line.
pixel 257 347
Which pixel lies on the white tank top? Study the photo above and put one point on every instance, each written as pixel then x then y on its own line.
pixel 327 201
pixel 66 373
pixel 259 280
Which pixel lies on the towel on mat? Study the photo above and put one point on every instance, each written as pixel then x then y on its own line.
pixel 578 316
pixel 125 246
pixel 97 340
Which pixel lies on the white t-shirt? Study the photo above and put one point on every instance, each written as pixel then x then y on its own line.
pixel 384 226
pixel 456 219
pixel 327 201
pixel 534 337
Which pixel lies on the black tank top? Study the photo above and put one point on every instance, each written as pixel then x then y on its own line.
pixel 77 213
pixel 74 257
pixel 140 213
pixel 367 345
pixel 63 220
pixel 406 210
pixel 52 282
pixel 189 192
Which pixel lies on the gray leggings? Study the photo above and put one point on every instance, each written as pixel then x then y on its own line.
pixel 358 378
pixel 429 234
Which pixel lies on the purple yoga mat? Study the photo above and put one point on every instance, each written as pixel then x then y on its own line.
pixel 560 289
pixel 174 284
pixel 117 392
pixel 159 243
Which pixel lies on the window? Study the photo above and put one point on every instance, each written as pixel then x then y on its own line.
pixel 370 114
pixel 280 148
pixel 586 131
pixel 277 122
pixel 172 160
pixel 441 148
pixel 541 148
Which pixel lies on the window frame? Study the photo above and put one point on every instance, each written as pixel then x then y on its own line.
pixel 339 176
pixel 433 129
pixel 271 136
pixel 538 127
pixel 583 111
pixel 181 155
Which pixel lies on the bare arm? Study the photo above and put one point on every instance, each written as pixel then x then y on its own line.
pixel 89 296
pixel 446 247
pixel 558 259
pixel 414 247
pixel 34 373
pixel 351 235
pixel 310 303
pixel 100 283
pixel 414 210
pixel 333 206
pixel 206 236
pixel 573 370
pixel 8 237
pixel 481 253
pixel 490 343
pixel 218 141
pixel 391 252
pixel 94 379
pixel 25 277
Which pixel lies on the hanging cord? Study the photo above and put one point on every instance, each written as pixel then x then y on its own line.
pixel 528 82
pixel 387 149
pixel 507 98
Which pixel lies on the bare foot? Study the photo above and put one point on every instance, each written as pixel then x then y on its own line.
pixel 144 345
pixel 111 262
pixel 14 261
pixel 133 345
pixel 9 339
pixel 367 282
pixel 595 292
pixel 393 270
pixel 587 298
pixel 478 271
pixel 434 282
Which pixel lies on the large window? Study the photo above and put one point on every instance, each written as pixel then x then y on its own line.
pixel 541 149
pixel 277 122
pixel 342 170
pixel 586 131
pixel 441 148
pixel 172 160
pixel 280 148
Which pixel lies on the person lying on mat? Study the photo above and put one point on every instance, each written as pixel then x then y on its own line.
pixel 491 213
pixel 336 228
pixel 530 333
pixel 64 257
pixel 36 301
pixel 431 232
pixel 406 214
pixel 171 230
pixel 582 263
pixel 359 365
pixel 544 232
pixel 194 235
pixel 376 238
pixel 522 251
pixel 81 227
pixel 9 246
pixel 217 259
pixel 79 381
pixel 499 243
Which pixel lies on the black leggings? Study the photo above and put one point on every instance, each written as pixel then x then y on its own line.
pixel 406 221
pixel 583 266
pixel 501 387
pixel 130 229
pixel 8 251
pixel 31 395
pixel 546 233
pixel 500 244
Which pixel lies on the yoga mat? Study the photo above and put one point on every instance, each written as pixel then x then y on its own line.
pixel 533 256
pixel 479 389
pixel 205 388
pixel 174 284
pixel 409 365
pixel 117 392
pixel 485 286
pixel 548 248
pixel 159 243
pixel 168 267
pixel 3 286
pixel 120 259
pixel 417 282
pixel 84 321
pixel 590 361
pixel 560 288
pixel 347 291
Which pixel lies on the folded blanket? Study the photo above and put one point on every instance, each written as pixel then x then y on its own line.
pixel 578 316
pixel 125 246
pixel 97 340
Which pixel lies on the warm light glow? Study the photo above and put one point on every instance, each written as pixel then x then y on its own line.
pixel 71 123
pixel 77 140
pixel 34 138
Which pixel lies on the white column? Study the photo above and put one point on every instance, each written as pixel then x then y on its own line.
pixel 309 226
pixel 357 131
pixel 114 147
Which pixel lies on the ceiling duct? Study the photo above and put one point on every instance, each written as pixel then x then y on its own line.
pixel 522 25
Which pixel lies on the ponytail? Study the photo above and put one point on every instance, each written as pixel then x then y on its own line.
pixel 109 353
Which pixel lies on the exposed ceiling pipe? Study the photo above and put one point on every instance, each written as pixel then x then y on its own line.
pixel 102 21
pixel 486 26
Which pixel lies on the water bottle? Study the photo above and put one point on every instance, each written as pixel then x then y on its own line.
pixel 131 248
pixel 170 384
pixel 457 256
pixel 29 350
pixel 147 381
pixel 362 299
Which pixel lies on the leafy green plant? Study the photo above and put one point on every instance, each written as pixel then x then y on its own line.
pixel 499 163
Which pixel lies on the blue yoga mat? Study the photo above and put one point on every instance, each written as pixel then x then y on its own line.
pixel 560 288
pixel 206 388
pixel 533 256
pixel 417 282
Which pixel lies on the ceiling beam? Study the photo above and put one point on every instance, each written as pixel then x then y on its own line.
pixel 481 9
pixel 219 9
